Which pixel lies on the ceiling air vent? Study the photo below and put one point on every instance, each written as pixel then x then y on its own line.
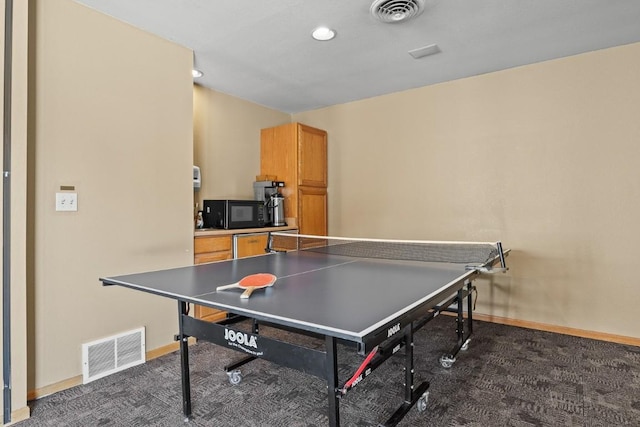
pixel 396 10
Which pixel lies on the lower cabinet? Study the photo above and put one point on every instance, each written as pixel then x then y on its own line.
pixel 209 249
pixel 252 244
pixel 212 248
pixel 218 248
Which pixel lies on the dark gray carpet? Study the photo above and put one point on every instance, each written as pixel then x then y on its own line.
pixel 508 377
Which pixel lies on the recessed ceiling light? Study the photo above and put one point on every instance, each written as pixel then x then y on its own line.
pixel 323 34
pixel 196 73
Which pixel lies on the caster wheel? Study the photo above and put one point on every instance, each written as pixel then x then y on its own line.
pixel 421 404
pixel 235 377
pixel 446 361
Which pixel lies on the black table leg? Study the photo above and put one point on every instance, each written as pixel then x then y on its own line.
pixel 332 381
pixel 184 362
pixel 470 290
pixel 412 394
pixel 408 363
pixel 460 320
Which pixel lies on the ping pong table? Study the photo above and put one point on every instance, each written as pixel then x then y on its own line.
pixel 369 294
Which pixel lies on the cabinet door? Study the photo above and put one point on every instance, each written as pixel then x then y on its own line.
pixel 278 151
pixel 209 244
pixel 312 157
pixel 211 257
pixel 209 314
pixel 209 249
pixel 250 244
pixel 312 210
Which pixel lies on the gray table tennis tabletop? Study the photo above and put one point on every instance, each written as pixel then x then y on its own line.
pixel 334 295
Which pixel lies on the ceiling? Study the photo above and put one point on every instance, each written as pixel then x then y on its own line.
pixel 262 50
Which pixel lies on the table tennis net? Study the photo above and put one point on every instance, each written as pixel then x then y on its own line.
pixel 469 253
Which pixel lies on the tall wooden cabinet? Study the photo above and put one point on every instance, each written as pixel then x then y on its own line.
pixel 297 154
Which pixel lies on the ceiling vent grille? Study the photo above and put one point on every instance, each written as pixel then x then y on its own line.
pixel 396 10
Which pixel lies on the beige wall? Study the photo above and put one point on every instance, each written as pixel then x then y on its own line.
pixel 226 132
pixel 112 116
pixel 542 157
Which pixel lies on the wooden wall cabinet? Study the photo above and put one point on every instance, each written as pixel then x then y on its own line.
pixel 297 154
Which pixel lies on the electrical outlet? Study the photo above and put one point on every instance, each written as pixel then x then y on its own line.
pixel 66 202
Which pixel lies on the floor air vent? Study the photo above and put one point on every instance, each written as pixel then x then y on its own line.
pixel 112 354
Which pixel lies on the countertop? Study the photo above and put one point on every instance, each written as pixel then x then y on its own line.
pixel 221 232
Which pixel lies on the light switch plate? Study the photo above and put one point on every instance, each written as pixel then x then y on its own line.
pixel 66 202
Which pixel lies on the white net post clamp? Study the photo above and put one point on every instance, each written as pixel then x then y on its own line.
pixel 487 270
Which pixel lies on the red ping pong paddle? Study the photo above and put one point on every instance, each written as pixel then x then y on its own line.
pixel 250 283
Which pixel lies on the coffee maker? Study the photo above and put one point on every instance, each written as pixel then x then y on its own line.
pixel 268 193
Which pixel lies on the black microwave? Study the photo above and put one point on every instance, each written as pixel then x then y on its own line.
pixel 229 214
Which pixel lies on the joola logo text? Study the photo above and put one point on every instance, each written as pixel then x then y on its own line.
pixel 240 338
pixel 393 330
pixel 357 380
